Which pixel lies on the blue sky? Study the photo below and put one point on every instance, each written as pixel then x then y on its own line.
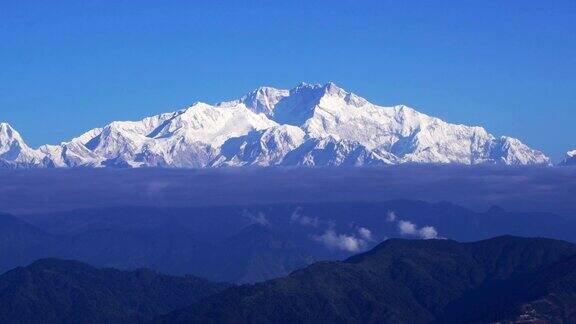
pixel 510 66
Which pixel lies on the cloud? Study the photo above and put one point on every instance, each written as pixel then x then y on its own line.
pixel 513 188
pixel 428 232
pixel 259 218
pixel 365 234
pixel 303 220
pixel 407 227
pixel 391 216
pixel 333 240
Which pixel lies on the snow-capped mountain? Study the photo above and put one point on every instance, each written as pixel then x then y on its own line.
pixel 570 158
pixel 308 125
pixel 14 151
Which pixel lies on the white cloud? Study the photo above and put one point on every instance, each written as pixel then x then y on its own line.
pixel 407 228
pixel 303 220
pixel 365 233
pixel 343 242
pixel 428 232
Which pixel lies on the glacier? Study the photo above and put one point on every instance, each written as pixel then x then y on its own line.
pixel 309 125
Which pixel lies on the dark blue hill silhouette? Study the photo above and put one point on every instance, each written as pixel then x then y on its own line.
pixel 504 279
pixel 62 291
pixel 411 281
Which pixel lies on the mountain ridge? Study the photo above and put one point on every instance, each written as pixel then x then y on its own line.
pixel 409 281
pixel 505 279
pixel 309 125
pixel 66 291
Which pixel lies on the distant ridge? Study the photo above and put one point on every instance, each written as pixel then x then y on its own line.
pixel 309 125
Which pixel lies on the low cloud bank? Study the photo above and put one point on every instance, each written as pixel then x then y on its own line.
pixel 516 189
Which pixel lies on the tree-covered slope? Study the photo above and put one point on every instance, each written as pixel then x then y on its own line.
pixel 400 281
pixel 60 291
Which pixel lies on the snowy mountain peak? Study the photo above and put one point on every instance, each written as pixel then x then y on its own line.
pixel 264 99
pixel 13 149
pixel 10 139
pixel 331 88
pixel 310 124
pixel 328 90
pixel 512 151
pixel 570 158
pixel 300 100
pixel 6 131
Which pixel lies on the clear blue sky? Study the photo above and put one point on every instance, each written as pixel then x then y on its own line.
pixel 510 66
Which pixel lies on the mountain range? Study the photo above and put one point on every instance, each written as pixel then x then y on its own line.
pixel 309 125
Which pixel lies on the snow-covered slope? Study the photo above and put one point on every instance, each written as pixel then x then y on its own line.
pixel 307 125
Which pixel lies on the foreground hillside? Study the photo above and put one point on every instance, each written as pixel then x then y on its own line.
pixel 531 280
pixel 402 281
pixel 59 291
